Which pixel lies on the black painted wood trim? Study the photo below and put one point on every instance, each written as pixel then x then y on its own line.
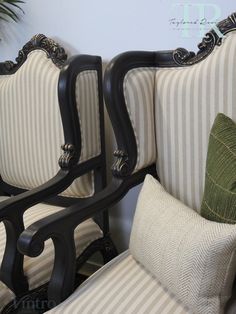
pixel 67 100
pixel 38 42
pixel 11 272
pixel 126 153
pixel 59 226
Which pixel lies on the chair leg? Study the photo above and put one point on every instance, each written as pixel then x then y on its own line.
pixel 35 302
pixel 108 249
pixel 104 245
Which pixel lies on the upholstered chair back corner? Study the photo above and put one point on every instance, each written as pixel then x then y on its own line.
pixel 139 90
pixel 87 99
pixel 187 100
pixel 172 110
pixel 31 132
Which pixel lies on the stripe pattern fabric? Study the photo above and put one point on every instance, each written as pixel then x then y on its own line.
pixel 187 101
pixel 138 92
pixel 87 100
pixel 6 295
pixel 31 127
pixel 38 269
pixel 122 286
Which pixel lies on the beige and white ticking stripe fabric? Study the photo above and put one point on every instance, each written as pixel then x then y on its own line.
pixel 6 295
pixel 187 101
pixel 31 129
pixel 38 269
pixel 121 287
pixel 138 91
pixel 87 99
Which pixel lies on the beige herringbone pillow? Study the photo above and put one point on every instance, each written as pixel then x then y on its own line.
pixel 192 257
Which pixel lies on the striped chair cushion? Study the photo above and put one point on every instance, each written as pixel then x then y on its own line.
pixel 31 129
pixel 187 101
pixel 121 286
pixel 38 269
pixel 138 92
pixel 6 295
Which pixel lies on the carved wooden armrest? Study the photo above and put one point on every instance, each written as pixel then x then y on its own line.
pixel 60 228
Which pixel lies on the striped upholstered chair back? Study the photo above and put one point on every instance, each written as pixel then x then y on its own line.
pixel 51 141
pixel 172 99
pixel 187 101
pixel 30 119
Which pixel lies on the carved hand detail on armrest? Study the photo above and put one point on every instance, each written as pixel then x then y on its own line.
pixel 120 167
pixel 66 160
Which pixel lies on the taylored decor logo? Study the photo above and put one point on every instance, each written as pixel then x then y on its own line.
pixel 193 20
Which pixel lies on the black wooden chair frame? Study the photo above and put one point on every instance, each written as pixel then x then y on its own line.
pixel 12 209
pixel 59 227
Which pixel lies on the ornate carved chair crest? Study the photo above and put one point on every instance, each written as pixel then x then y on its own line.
pixel 162 105
pixel 52 151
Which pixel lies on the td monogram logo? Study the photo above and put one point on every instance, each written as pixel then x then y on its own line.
pixel 194 19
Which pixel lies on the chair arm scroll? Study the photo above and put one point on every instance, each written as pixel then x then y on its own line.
pixel 60 228
pixel 11 214
pixel 61 224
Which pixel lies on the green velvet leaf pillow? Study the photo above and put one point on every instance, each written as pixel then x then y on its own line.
pixel 219 199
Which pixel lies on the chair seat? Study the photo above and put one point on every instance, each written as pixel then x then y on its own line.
pixel 38 269
pixel 121 286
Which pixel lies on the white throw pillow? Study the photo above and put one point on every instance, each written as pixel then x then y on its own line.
pixel 192 257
